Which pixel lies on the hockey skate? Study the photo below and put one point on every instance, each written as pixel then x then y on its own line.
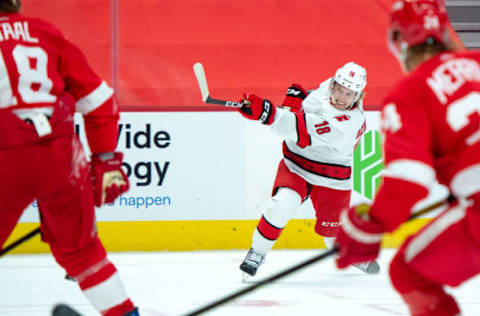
pixel 65 310
pixel 250 264
pixel 371 267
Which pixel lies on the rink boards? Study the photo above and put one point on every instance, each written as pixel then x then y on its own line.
pixel 201 235
pixel 200 180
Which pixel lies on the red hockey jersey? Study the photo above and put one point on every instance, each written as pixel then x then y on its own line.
pixel 39 67
pixel 431 124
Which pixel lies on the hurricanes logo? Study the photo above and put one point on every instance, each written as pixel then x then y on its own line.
pixel 368 164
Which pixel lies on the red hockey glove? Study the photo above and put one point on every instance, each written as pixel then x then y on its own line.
pixel 295 95
pixel 109 180
pixel 358 238
pixel 256 108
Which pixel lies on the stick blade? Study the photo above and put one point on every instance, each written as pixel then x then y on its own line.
pixel 202 80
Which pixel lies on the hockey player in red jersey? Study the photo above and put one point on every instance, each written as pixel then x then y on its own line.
pixel 44 80
pixel 320 133
pixel 431 123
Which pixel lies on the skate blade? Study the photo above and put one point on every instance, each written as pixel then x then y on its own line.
pixel 245 277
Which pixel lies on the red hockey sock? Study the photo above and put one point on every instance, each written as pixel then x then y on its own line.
pixel 268 230
pixel 120 309
pixel 102 286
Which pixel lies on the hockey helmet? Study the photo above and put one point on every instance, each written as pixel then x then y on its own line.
pixel 351 76
pixel 413 22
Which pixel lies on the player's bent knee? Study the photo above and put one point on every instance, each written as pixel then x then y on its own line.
pixel 76 259
pixel 282 207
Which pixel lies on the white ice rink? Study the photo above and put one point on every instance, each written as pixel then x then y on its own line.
pixel 174 283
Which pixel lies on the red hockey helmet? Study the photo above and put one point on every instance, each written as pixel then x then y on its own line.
pixel 413 22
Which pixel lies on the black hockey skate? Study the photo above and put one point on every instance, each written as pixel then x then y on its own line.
pixel 252 261
pixel 64 310
pixel 371 267
pixel 133 312
pixel 70 278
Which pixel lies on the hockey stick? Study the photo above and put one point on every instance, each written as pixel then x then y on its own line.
pixel 19 241
pixel 202 83
pixel 299 266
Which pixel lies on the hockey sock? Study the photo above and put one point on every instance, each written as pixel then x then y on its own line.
pixel 102 286
pixel 265 236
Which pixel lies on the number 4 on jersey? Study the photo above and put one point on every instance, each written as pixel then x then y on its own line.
pixel 391 120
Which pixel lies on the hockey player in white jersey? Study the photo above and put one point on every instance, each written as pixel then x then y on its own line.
pixel 320 132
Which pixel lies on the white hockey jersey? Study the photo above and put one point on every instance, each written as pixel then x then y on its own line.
pixel 319 141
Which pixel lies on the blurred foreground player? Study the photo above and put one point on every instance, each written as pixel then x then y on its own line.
pixel 44 80
pixel 431 122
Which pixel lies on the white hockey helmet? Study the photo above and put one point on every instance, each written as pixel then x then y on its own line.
pixel 352 76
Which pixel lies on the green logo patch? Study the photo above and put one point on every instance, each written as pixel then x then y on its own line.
pixel 367 164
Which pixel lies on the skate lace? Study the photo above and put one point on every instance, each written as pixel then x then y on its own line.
pixel 254 258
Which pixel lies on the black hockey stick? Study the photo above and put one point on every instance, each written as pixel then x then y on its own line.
pixel 202 83
pixel 23 239
pixel 19 241
pixel 299 266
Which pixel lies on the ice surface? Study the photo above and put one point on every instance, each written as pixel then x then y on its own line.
pixel 174 283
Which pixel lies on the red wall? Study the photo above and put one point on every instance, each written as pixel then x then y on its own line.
pixel 146 48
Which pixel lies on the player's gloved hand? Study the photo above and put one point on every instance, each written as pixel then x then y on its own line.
pixel 256 108
pixel 358 238
pixel 295 95
pixel 109 180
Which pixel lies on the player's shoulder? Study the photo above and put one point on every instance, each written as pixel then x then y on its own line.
pixel 444 61
pixel 358 115
pixel 474 54
pixel 37 25
pixel 409 87
pixel 414 85
pixel 447 58
pixel 322 89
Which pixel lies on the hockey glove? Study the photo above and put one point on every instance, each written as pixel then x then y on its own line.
pixel 109 180
pixel 358 238
pixel 295 95
pixel 256 108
